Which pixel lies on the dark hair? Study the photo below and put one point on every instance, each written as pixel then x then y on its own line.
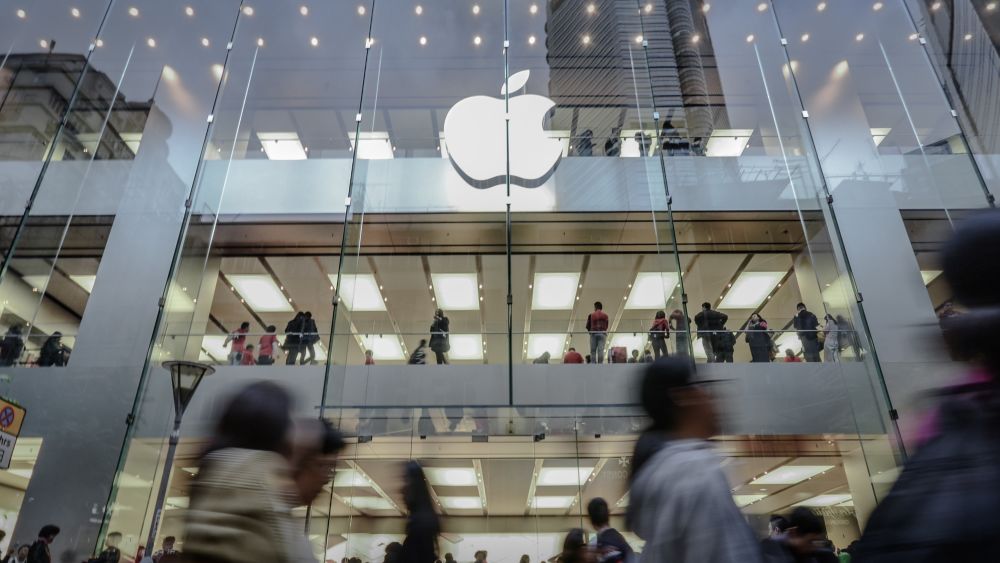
pixel 598 305
pixel 169 539
pixel 778 522
pixel 571 349
pixel 423 521
pixel 244 324
pixel 115 534
pixel 597 510
pixel 48 530
pixel 661 315
pixel 658 380
pixel 800 305
pixel 971 260
pixel 271 328
pixel 572 544
pixel 256 418
pixel 309 314
pixel 805 521
pixel 706 305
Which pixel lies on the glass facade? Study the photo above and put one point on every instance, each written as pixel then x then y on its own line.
pixel 356 189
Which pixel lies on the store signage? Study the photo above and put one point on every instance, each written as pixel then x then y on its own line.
pixel 11 419
pixel 476 137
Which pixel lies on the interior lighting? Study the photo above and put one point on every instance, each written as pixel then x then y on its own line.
pixel 586 40
pixel 361 10
pixel 705 8
pixel 384 347
pixel 84 281
pixel 728 142
pixel 75 12
pixel 968 36
pixel 133 11
pixel 563 476
pixel 638 39
pixel 877 6
pixel 423 40
pixel 914 36
pixel 859 37
pixel 879 134
pixel 304 10
pixel 475 9
pixel 189 11
pixel 935 6
pixel 531 40
pixel 215 346
pixel 350 478
pixel 314 41
pixel 750 38
pixel 991 6
pixel 790 474
pixel 36 282
pixel 418 9
pixel 540 343
pixel 359 292
pixel 451 476
pixel 746 500
pixel 533 9
pixel 554 291
pixel 750 290
pixel 929 275
pixel 650 290
pixel 260 293
pixel 648 8
pixel 461 503
pixel 260 41
pixel 477 40
pixel 825 500
pixel 591 8
pixel 761 7
pixel 805 37
pixel 370 503
pixel 696 38
pixel 151 42
pixel 373 145
pixel 205 42
pixel 456 292
pixel 281 145
pixel 44 44
pixel 558 502
pixel 99 42
pixel 21 13
pixel 821 6
pixel 248 10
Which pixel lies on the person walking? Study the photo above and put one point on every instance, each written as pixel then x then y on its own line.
pixel 11 346
pixel 419 356
pixel 800 541
pixel 440 343
pixel 597 326
pixel 610 543
pixel 53 353
pixel 110 553
pixel 293 337
pixel 680 500
pixel 267 347
pixel 39 551
pixel 658 335
pixel 831 339
pixel 166 549
pixel 310 336
pixel 758 339
pixel 679 324
pixel 807 326
pixel 241 499
pixel 725 346
pixel 237 341
pixel 709 323
pixel 572 357
pixel 422 524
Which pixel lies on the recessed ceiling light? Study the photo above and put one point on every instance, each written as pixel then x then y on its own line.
pixel 638 39
pixel 531 40
pixel 350 478
pixel 750 289
pixel 205 42
pixel 824 500
pixel 281 145
pixel 554 291
pixel 935 6
pixel 877 6
pixel 859 37
pixel 533 9
pixel 456 292
pixel 75 12
pixel 248 10
pixel 541 343
pixel 260 293
pixel 477 40
pixel 369 503
pixel 648 8
pixel 151 42
pixel 465 346
pixel 44 44
pixel 761 7
pixel 359 292
pixel 991 6
pixel 418 9
pixel 914 36
pixel 372 145
pixel 260 41
pixel 133 11
pixel 99 42
pixel 968 36
pixel 21 13
pixel 304 10
pixel 189 11
pixel 384 346
pixel 451 476
pixel 84 281
pixel 314 41
pixel 650 290
pixel 591 8
pixel 586 39
pixel 361 10
pixel 423 40
pixel 790 474
pixel 821 6
pixel 745 500
pixel 750 38
pixel 805 37
pixel 705 8
pixel 475 8
pixel 461 503
pixel 563 476
pixel 559 502
pixel 696 38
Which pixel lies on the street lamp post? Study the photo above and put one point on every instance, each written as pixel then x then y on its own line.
pixel 184 379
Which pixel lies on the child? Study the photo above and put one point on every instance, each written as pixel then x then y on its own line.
pixel 267 350
pixel 247 359
pixel 369 358
pixel 791 357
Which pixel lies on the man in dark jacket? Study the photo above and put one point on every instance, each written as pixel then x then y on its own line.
pixel 39 551
pixel 609 541
pixel 310 336
pixel 710 323
pixel 806 324
pixel 799 542
pixel 293 337
pixel 726 346
pixel 440 344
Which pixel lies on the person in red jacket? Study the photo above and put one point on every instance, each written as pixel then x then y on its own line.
pixel 597 326
pixel 658 335
pixel 572 357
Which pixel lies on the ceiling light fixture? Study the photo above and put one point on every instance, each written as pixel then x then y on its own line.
pixel 456 292
pixel 133 11
pixel 877 6
pixel 75 12
pixel 373 145
pixel 705 8
pixel 563 476
pixel 21 13
pixel 84 281
pixel 151 42
pixel 554 291
pixel 260 41
pixel 929 275
pixel 750 290
pixel 935 6
pixel 461 503
pixel 790 474
pixel 205 42
pixel 825 500
pixel 805 37
pixel 384 346
pixel 638 39
pixel 44 44
pixel 477 40
pixel 314 41
pixel 859 37
pixel 475 9
pixel 591 8
pixel 533 9
pixel 359 292
pixel 260 293
pixel 248 10
pixel 761 7
pixel 451 476
pixel 552 502
pixel 991 6
pixel 423 40
pixel 418 9
pixel 189 11
pixel 750 38
pixel 531 40
pixel 650 290
pixel 541 343
pixel 281 145
pixel 968 36
pixel 361 10
pixel 696 38
pixel 304 10
pixel 586 40
pixel 648 8
pixel 746 500
pixel 370 503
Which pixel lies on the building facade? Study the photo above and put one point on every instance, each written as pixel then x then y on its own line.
pixel 172 170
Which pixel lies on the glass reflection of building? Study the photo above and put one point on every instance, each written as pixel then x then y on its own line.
pixel 172 171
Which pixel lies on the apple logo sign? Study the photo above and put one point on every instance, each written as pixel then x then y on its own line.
pixel 477 142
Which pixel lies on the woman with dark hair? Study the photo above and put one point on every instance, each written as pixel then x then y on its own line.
pixel 759 339
pixel 242 497
pixel 658 335
pixel 575 548
pixel 422 526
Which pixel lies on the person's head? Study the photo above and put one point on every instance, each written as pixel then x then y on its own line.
pixel 545 355
pixel 449 557
pixel 439 313
pixel 525 558
pixel 309 314
pixel 789 353
pixel 299 315
pixel 635 353
pixel 776 525
pixel 272 329
pixel 22 552
pixel 706 306
pixel 114 539
pixel 257 418
pixel 755 317
pixel 598 306
pixel 804 530
pixel 574 546
pixel 368 353
pixel 800 306
pixel 423 342
pixel 480 555
pixel 676 403
pixel 57 335
pixel 661 315
pixel 168 542
pixel 249 348
pixel 598 512
pixel 588 359
pixel 48 532
pixel 571 349
pixel 828 317
pixel 416 493
pixel 244 326
pixel 317 443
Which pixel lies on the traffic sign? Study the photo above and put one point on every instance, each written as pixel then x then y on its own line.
pixel 11 419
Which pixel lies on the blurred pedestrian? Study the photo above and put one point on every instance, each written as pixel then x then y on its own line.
pixel 419 356
pixel 725 346
pixel 831 339
pixel 679 324
pixel 167 548
pixel 611 544
pixel 799 541
pixel 943 505
pixel 20 555
pixel 242 497
pixel 293 338
pixel 807 325
pixel 110 553
pixel 759 339
pixel 238 339
pixel 316 447
pixel 575 548
pixel 247 358
pixel 710 323
pixel 543 359
pixel 369 358
pixel 11 346
pixel 310 336
pixel 597 326
pixel 680 501
pixel 39 551
pixel 422 525
pixel 658 334
pixel 440 341
pixel 268 347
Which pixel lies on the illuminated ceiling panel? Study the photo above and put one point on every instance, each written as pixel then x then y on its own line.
pixel 554 292
pixel 751 289
pixel 651 290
